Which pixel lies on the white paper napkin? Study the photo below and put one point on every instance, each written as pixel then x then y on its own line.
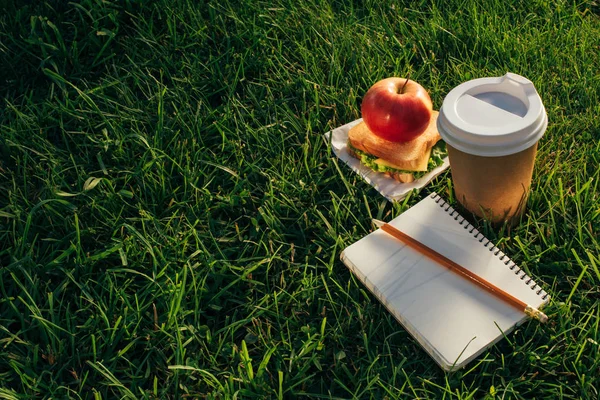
pixel 388 187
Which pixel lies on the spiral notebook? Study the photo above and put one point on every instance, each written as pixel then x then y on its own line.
pixel 453 319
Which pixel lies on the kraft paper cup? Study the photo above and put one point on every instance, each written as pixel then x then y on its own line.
pixel 492 127
pixel 494 188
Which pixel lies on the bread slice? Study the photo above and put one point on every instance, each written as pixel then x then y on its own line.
pixel 406 156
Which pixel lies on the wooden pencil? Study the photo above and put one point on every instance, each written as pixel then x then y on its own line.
pixel 462 271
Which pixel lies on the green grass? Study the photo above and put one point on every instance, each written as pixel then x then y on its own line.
pixel 171 217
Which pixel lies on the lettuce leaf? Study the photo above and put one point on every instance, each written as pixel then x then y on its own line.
pixel 438 153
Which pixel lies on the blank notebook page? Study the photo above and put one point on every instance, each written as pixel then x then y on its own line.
pixel 452 318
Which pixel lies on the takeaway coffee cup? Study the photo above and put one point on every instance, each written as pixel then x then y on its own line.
pixel 491 127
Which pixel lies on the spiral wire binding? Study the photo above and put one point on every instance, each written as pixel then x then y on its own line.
pixel 497 252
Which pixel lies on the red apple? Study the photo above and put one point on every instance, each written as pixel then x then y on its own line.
pixel 397 109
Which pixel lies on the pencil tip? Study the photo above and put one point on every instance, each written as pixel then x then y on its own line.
pixel 377 223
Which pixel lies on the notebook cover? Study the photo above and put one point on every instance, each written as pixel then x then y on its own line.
pixel 453 319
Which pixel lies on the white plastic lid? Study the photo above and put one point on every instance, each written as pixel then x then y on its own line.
pixel 493 117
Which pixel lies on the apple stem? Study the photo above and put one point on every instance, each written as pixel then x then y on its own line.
pixel 403 86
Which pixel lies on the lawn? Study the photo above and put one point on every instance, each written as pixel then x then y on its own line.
pixel 171 216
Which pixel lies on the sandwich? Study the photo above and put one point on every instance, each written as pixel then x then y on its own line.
pixel 402 161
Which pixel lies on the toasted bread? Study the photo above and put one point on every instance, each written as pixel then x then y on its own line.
pixel 407 156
